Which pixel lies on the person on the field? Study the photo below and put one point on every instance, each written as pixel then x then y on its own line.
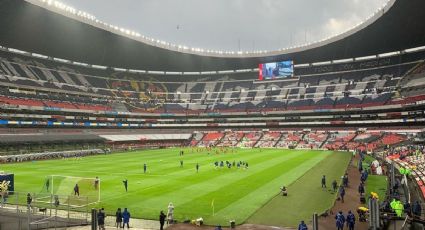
pixel 101 219
pixel 76 190
pixel 125 182
pixel 29 200
pixel 284 191
pixel 323 181
pixel 56 202
pixel 302 226
pixel 96 183
pixel 170 213
pixel 334 185
pixel 161 220
pixel 345 180
pixel 197 167
pixel 126 218
pixel 118 218
pixel 341 193
pixel 47 184
pixel 340 220
pixel 145 167
pixel 351 220
pixel 181 164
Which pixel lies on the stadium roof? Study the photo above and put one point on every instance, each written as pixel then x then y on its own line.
pixel 25 26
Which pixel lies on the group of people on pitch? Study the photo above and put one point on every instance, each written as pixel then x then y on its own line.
pixel 341 189
pixel 229 165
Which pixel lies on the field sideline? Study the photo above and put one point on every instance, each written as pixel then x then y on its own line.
pixel 233 193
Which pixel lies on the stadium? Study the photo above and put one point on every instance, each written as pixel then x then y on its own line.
pixel 96 118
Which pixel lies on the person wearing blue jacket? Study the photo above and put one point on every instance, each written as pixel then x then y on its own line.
pixel 351 220
pixel 340 220
pixel 302 226
pixel 126 217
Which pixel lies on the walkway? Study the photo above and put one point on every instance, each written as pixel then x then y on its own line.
pixel 352 201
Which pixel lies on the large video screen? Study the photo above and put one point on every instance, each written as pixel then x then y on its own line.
pixel 276 70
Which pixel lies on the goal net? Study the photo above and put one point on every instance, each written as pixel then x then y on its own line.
pixel 64 188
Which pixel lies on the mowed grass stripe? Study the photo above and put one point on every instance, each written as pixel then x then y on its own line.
pixel 255 190
pixel 305 196
pixel 198 184
pixel 249 203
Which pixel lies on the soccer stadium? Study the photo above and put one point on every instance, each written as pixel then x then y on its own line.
pixel 103 127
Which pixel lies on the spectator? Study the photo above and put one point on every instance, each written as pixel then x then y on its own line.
pixel 417 209
pixel 118 218
pixel 302 226
pixel 101 219
pixel 361 189
pixel 351 220
pixel 341 193
pixel 126 218
pixel 161 220
pixel 340 220
pixel 324 181
pixel 170 213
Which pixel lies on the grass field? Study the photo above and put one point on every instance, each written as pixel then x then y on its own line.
pixel 378 184
pixel 249 195
pixel 374 183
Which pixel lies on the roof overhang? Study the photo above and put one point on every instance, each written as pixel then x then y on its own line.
pixel 398 26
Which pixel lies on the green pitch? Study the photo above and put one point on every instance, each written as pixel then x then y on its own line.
pixel 217 195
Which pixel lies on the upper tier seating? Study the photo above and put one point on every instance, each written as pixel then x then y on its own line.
pixel 368 84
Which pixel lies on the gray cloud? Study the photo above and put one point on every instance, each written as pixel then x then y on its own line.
pixel 223 24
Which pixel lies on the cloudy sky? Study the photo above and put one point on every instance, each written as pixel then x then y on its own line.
pixel 232 24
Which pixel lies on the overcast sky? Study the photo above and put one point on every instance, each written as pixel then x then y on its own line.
pixel 228 24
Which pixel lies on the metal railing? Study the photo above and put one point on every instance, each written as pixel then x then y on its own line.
pixel 42 211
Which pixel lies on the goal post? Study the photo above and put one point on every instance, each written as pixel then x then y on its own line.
pixel 63 187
